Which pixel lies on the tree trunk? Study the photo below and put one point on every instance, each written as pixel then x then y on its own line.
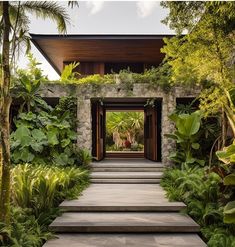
pixel 5 103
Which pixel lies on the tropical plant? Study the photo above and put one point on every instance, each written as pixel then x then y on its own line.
pixel 27 84
pixel 84 157
pixel 201 192
pixel 42 188
pixel 125 125
pixel 186 137
pixel 68 104
pixel 24 230
pixel 227 155
pixel 14 29
pixel 68 73
pixel 43 138
pixel 218 236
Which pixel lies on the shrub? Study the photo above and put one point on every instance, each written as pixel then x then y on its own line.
pixel 42 188
pixel 43 138
pixel 84 157
pixel 201 193
pixel 24 230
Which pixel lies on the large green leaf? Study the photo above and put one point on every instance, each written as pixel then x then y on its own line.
pixel 65 142
pixel 52 137
pixel 38 135
pixel 37 146
pixel 229 213
pixel 189 125
pixel 23 155
pixel 195 146
pixel 230 179
pixel 227 155
pixel 22 132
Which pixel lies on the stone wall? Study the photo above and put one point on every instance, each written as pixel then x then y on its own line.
pixel 85 93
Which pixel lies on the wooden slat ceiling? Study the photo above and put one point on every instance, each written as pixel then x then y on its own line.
pixel 99 48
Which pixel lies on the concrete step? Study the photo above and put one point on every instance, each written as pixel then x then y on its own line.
pixel 126 175
pixel 73 206
pixel 108 222
pixel 125 181
pixel 127 165
pixel 128 169
pixel 126 240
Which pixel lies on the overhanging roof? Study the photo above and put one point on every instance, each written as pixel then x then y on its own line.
pixel 99 48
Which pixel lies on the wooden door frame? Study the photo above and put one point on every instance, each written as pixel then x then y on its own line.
pixel 150 138
pixel 125 107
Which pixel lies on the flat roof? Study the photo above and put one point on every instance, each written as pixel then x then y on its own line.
pixel 58 49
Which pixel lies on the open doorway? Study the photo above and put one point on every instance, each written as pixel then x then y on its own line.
pixel 126 128
pixel 124 133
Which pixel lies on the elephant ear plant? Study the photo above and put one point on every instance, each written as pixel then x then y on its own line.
pixel 227 155
pixel 186 137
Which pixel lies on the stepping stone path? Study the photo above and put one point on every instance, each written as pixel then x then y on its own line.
pixel 124 206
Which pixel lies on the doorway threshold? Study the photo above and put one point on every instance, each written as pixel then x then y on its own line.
pixel 124 154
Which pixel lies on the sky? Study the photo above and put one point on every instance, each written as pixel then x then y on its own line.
pixel 102 17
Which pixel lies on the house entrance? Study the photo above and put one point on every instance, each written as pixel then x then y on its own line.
pixel 126 128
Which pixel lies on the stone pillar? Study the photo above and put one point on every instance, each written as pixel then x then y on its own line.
pixel 84 137
pixel 168 106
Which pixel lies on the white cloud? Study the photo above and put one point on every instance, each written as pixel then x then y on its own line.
pixel 145 8
pixel 95 6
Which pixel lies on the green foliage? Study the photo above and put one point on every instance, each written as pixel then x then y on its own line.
pixel 43 138
pixel 210 38
pixel 184 109
pixel 27 86
pixel 37 190
pixel 24 230
pixel 160 76
pixel 227 155
pixel 42 188
pixel 218 236
pixel 124 125
pixel 84 157
pixel 97 79
pixel 186 137
pixel 200 191
pixel 68 104
pixel 68 73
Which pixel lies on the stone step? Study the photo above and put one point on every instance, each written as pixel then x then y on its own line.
pixel 74 206
pixel 127 165
pixel 125 181
pixel 126 175
pixel 108 222
pixel 128 169
pixel 126 240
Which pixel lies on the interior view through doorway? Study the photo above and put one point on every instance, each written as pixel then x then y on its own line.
pixel 124 133
pixel 126 128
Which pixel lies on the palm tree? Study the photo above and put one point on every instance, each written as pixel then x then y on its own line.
pixel 128 124
pixel 14 28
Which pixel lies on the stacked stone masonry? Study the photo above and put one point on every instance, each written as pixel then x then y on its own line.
pixel 85 93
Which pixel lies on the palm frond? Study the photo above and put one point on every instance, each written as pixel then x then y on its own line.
pixel 48 9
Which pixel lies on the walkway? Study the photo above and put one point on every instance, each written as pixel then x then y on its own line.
pixel 124 206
